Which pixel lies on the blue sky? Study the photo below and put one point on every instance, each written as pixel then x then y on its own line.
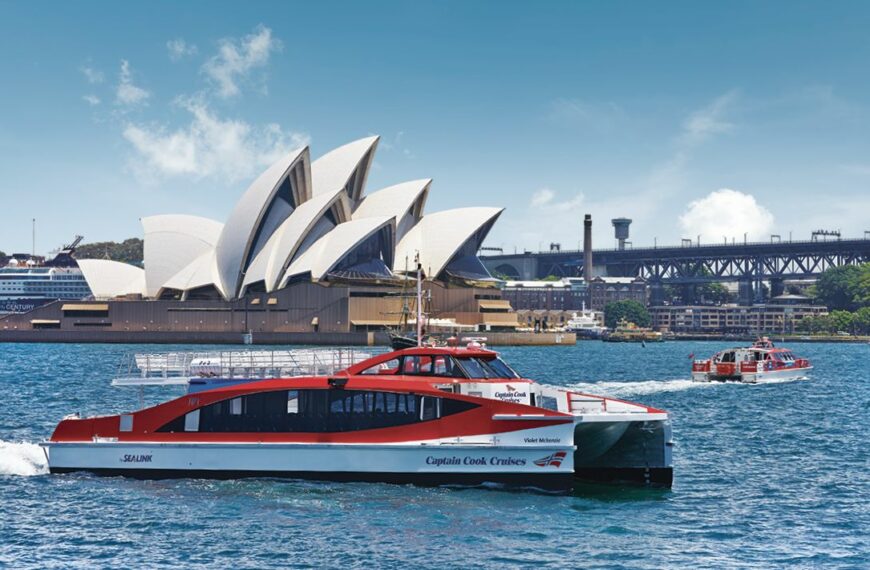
pixel 690 118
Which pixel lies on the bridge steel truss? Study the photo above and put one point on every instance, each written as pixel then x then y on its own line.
pixel 752 262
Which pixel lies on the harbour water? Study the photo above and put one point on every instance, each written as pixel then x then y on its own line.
pixel 765 476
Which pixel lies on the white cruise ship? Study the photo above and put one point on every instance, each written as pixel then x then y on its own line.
pixel 25 285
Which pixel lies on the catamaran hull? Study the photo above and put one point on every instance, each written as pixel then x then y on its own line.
pixel 547 468
pixel 638 453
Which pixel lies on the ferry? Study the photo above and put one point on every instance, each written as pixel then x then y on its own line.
pixel 423 415
pixel 630 332
pixel 585 325
pixel 761 362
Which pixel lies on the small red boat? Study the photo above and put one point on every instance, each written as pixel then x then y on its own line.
pixel 761 362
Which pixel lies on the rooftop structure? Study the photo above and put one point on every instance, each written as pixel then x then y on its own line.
pixel 303 220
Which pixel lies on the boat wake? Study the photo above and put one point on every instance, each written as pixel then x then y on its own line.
pixel 622 389
pixel 644 387
pixel 23 459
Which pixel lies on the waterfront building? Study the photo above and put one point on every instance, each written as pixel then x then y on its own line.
pixel 566 294
pixel 604 290
pixel 765 318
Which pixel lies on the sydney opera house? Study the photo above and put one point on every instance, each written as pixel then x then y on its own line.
pixel 305 249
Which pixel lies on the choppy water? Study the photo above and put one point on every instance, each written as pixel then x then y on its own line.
pixel 765 476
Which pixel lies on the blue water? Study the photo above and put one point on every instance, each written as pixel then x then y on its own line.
pixel 765 476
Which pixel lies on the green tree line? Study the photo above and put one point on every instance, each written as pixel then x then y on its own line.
pixel 631 311
pixel 128 251
pixel 846 292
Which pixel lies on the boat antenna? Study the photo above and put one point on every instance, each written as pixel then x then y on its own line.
pixel 33 251
pixel 419 300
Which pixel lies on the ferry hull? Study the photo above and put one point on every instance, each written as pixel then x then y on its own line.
pixel 638 453
pixel 547 468
pixel 782 375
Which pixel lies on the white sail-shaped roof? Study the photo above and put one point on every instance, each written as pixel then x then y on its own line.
pixel 333 247
pixel 267 202
pixel 286 242
pixel 440 235
pixel 404 201
pixel 345 167
pixel 108 279
pixel 172 242
pixel 201 272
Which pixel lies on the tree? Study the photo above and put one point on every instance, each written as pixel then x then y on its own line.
pixel 631 311
pixel 128 251
pixel 551 278
pixel 861 321
pixel 838 288
pixel 841 321
pixel 714 292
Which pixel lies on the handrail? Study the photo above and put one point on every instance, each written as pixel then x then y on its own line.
pixel 171 367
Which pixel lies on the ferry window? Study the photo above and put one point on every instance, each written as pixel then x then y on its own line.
pixel 428 408
pixel 315 411
pixel 191 421
pixel 438 365
pixel 126 423
pixel 388 367
pixel 474 369
pixel 499 368
pixel 548 403
pixel 449 406
pixel 417 365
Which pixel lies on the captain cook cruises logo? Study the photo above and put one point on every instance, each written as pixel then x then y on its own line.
pixel 554 459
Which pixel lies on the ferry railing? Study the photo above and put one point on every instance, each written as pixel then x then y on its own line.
pixel 169 368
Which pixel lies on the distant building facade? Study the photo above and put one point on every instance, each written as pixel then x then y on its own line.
pixel 604 290
pixel 566 294
pixel 767 318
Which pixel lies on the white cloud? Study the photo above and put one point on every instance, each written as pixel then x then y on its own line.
pixel 236 58
pixel 92 75
pixel 179 49
pixel 709 121
pixel 727 213
pixel 542 197
pixel 128 93
pixel 92 100
pixel 209 146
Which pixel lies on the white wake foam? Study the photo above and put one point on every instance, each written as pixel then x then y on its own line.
pixel 24 459
pixel 640 388
pixel 621 389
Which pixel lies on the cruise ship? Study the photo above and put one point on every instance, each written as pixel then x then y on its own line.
pixel 25 284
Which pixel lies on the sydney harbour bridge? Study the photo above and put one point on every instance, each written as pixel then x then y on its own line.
pixel 748 264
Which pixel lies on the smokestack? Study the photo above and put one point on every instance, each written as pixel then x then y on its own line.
pixel 587 248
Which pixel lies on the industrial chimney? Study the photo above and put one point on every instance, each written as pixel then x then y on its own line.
pixel 587 248
pixel 620 230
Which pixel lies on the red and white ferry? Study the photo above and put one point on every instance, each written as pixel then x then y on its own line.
pixel 421 415
pixel 761 362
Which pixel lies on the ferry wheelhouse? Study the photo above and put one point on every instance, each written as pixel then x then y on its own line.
pixel 761 362
pixel 426 415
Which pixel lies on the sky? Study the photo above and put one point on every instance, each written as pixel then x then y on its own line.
pixel 692 119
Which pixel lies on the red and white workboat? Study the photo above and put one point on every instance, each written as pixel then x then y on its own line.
pixel 761 362
pixel 421 415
